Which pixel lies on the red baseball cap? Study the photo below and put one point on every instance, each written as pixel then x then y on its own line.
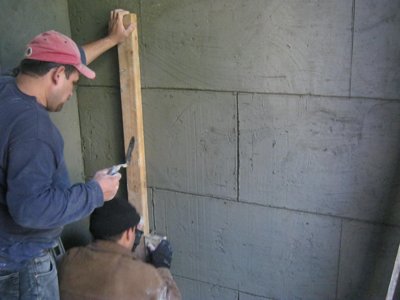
pixel 52 46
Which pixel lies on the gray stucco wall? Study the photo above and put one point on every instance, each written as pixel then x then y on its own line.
pixel 271 130
pixel 272 140
pixel 280 139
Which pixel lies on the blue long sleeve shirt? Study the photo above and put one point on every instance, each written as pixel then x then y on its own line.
pixel 36 198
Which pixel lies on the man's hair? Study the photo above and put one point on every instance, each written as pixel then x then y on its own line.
pixel 113 218
pixel 113 238
pixel 40 68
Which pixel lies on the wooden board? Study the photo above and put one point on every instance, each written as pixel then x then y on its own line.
pixel 394 279
pixel 132 118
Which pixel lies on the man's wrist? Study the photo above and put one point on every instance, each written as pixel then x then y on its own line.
pixel 111 41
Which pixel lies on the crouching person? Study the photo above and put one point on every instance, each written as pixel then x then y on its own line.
pixel 108 269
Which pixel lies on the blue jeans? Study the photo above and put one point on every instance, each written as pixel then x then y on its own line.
pixel 38 280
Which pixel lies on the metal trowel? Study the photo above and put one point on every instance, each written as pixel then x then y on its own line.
pixel 114 169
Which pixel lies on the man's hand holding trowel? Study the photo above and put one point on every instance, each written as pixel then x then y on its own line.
pixel 109 184
pixel 114 169
pixel 108 179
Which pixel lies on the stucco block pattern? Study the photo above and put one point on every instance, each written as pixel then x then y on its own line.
pixel 281 46
pixel 324 155
pixel 263 251
pixel 376 58
pixel 191 141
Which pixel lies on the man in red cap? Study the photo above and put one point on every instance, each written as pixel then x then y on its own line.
pixel 36 197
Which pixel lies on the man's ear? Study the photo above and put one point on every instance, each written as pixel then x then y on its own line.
pixel 130 234
pixel 57 74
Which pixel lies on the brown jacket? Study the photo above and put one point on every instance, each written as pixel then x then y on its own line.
pixel 106 270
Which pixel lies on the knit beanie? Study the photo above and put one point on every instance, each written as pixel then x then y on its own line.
pixel 113 218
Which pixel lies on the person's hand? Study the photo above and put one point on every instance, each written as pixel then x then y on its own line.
pixel 117 33
pixel 109 184
pixel 116 30
pixel 161 257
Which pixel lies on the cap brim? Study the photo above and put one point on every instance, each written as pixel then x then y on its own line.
pixel 85 71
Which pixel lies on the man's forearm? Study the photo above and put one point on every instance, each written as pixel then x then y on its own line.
pixel 97 48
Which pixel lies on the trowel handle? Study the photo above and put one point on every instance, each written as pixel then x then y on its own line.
pixel 113 170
